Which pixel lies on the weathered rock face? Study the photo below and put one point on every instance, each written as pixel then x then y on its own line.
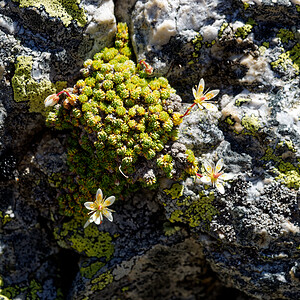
pixel 183 240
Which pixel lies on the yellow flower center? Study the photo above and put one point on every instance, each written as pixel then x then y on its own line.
pixel 200 99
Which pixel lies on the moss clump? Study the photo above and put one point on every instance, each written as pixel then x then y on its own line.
pixel 27 89
pixel 66 10
pixel 120 123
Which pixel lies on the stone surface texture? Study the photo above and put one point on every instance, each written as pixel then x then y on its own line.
pixel 183 240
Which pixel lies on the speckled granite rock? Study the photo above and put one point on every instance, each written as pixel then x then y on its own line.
pixel 184 241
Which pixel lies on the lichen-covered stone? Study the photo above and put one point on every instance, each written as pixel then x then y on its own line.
pixel 249 50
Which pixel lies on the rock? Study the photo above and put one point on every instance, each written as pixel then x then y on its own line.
pixel 182 239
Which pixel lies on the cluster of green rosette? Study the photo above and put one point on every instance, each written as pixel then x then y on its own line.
pixel 120 122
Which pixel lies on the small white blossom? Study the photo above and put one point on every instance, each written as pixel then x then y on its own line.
pixel 51 100
pixel 213 175
pixel 201 98
pixel 99 208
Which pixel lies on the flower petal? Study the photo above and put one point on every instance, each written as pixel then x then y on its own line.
pixel 200 88
pixel 220 187
pixel 51 100
pixel 109 201
pixel 206 179
pixel 219 165
pixel 99 195
pixel 89 205
pixel 108 214
pixel 200 106
pixel 209 167
pixel 194 93
pixel 210 106
pixel 87 223
pixel 212 94
pixel 226 176
pixel 97 217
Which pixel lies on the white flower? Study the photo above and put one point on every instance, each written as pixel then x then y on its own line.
pixel 99 208
pixel 213 175
pixel 201 98
pixel 51 100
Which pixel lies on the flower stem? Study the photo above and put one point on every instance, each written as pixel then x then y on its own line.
pixel 187 111
pixel 63 91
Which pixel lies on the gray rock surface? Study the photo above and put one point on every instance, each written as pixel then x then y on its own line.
pixel 184 240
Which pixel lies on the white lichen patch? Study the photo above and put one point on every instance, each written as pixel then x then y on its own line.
pixel 288 227
pixel 7 24
pixel 258 2
pixel 256 189
pixel 258 69
pixel 210 32
pixel 296 2
pixel 163 32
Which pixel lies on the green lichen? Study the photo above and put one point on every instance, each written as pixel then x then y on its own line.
pixel 246 5
pixel 125 289
pixel 229 120
pixel 288 58
pixel 241 101
pixel 262 50
pixel 176 216
pixel 90 270
pixel 210 44
pixel 4 218
pixel 264 47
pixel 27 89
pixel 287 143
pixel 196 213
pixel 244 31
pixel 118 120
pixel 287 173
pixel 251 124
pixel 285 35
pixel 197 43
pixel 175 191
pixel 89 241
pixel 30 291
pixel 170 229
pixel 66 10
pixel 222 28
pixel 102 281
